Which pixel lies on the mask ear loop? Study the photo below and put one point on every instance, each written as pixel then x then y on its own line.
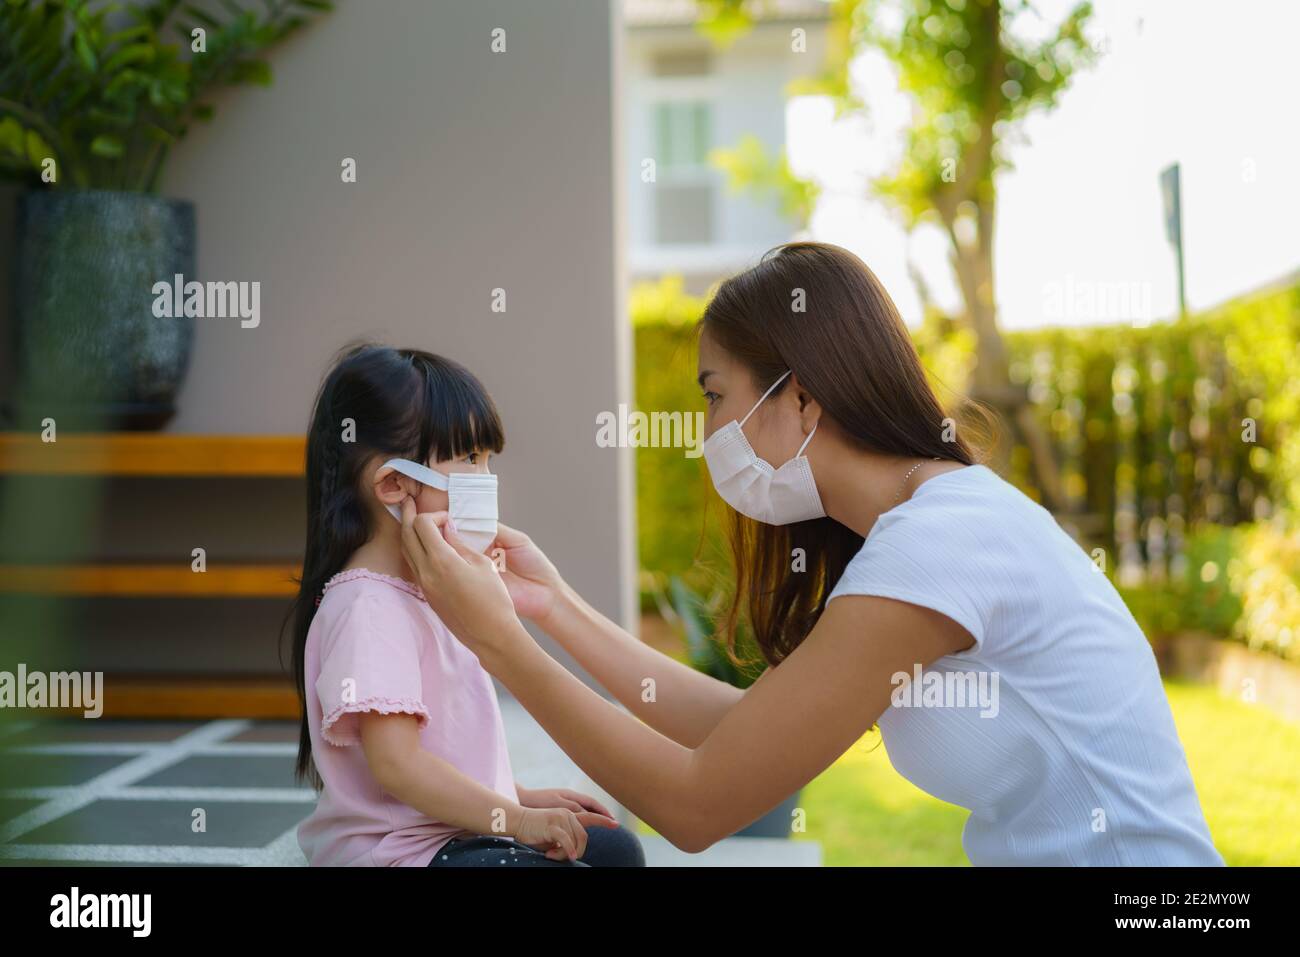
pixel 414 470
pixel 765 395
pixel 421 473
pixel 806 441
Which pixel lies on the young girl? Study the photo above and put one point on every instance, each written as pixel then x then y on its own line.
pixel 401 731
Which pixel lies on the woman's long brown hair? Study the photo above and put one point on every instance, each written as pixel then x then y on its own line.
pixel 850 349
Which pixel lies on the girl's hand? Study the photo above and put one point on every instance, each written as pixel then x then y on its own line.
pixel 460 584
pixel 560 831
pixel 531 579
pixel 575 801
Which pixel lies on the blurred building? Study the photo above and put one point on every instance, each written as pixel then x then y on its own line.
pixel 683 96
pixel 450 140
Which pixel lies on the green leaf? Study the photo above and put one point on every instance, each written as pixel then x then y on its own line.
pixel 11 136
pixel 38 151
pixel 176 91
pixel 252 71
pixel 107 146
pixel 122 82
pixel 102 117
pixel 96 77
pixel 136 53
pixel 142 31
pixel 201 15
pixel 84 52
pixel 157 133
pixel 690 611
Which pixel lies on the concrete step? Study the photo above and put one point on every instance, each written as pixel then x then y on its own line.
pixel 735 852
pixel 539 762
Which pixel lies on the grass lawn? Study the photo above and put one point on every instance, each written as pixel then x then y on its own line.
pixel 1245 761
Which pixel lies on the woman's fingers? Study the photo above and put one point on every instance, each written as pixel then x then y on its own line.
pixel 418 544
pixel 508 537
pixel 426 528
pixel 591 804
pixel 452 538
pixel 594 819
pixel 410 540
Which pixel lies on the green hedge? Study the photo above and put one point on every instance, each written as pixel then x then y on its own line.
pixel 1241 583
pixel 1147 422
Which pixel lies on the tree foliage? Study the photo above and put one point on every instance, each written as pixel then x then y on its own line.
pixel 973 69
pixel 100 89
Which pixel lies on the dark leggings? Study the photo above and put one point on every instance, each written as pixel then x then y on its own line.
pixel 606 847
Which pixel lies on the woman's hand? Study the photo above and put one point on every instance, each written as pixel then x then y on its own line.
pixel 562 832
pixel 529 576
pixel 460 584
pixel 574 801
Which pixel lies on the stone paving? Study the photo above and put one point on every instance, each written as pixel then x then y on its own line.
pixel 118 792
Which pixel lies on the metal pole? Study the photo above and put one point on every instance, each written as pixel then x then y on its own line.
pixel 1171 191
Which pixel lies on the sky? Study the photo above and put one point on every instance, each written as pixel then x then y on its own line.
pixel 1081 238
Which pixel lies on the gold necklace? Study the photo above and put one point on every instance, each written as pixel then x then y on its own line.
pixel 909 474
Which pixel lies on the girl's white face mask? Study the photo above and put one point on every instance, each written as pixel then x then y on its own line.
pixel 471 499
pixel 751 486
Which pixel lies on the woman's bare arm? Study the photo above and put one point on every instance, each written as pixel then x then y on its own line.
pixel 673 698
pixel 784 731
pixel 780 735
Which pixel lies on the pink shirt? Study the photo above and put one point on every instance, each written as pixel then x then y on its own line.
pixel 376 645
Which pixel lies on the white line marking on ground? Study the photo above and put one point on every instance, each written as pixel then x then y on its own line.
pixel 284 851
pixel 123 775
pixel 134 854
pixel 134 793
pixel 225 749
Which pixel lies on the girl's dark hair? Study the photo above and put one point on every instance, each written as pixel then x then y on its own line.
pixel 850 349
pixel 399 403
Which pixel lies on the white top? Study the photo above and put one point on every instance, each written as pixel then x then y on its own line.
pixel 1064 748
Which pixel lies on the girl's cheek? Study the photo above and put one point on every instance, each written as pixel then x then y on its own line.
pixel 432 500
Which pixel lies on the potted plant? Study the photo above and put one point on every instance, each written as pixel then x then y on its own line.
pixel 707 653
pixel 93 95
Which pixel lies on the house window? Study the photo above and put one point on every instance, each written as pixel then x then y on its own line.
pixel 683 134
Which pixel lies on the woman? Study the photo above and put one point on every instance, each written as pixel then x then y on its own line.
pixel 888 580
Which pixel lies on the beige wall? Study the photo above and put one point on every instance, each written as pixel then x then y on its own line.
pixel 476 170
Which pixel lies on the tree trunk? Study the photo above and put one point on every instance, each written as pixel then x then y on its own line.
pixel 991 379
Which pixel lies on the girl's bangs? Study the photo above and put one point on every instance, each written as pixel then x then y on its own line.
pixel 458 417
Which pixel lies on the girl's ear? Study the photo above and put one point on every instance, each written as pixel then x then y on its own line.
pixel 391 486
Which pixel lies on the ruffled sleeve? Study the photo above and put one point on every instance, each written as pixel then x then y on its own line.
pixel 370 661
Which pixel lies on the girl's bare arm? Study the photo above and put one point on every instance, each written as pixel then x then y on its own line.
pixel 429 784
pixel 438 789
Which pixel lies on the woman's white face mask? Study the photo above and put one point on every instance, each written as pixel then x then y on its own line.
pixel 751 486
pixel 471 499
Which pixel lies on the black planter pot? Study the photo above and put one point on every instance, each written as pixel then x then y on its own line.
pixel 90 351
